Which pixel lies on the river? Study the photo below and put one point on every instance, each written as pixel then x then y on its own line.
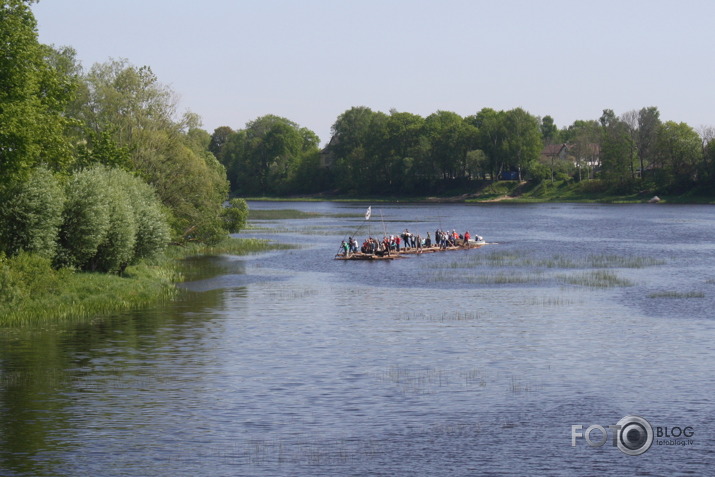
pixel 490 361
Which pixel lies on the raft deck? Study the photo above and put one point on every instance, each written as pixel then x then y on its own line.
pixel 408 251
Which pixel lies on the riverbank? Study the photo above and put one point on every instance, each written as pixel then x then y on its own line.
pixel 592 191
pixel 34 293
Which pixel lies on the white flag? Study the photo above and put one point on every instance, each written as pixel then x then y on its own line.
pixel 367 214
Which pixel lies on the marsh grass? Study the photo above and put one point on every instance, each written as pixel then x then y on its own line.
pixel 508 259
pixel 292 294
pixel 414 381
pixel 229 245
pixel 517 386
pixel 550 301
pixel 488 278
pixel 34 294
pixel 474 377
pixel 74 297
pixel 280 214
pixel 677 294
pixel 443 318
pixel 489 269
pixel 596 279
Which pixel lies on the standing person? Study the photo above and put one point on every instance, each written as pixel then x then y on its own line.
pixel 466 237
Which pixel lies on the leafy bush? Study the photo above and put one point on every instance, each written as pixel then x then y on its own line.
pixel 116 251
pixel 30 215
pixel 85 218
pixel 24 276
pixel 111 219
pixel 235 215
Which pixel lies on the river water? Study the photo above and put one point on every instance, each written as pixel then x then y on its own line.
pixel 473 362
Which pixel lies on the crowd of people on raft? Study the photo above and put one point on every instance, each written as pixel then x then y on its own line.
pixel 406 241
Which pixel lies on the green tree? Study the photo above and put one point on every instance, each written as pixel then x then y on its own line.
pixel 236 215
pixel 262 158
pixel 584 138
pixel 402 150
pixel 351 145
pixel 492 134
pixel 33 94
pixel 680 151
pixel 218 140
pixel 616 150
pixel 648 126
pixel 708 165
pixel 549 131
pixel 523 143
pixel 139 113
pixel 101 148
pixel 450 138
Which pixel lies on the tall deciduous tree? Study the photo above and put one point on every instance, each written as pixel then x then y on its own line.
pixel 585 140
pixel 492 136
pixel 33 94
pixel 450 137
pixel 263 158
pixel 218 140
pixel 549 131
pixel 616 149
pixel 138 113
pixel 680 149
pixel 648 125
pixel 351 146
pixel 523 144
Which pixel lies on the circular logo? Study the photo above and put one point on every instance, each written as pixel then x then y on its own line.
pixel 635 435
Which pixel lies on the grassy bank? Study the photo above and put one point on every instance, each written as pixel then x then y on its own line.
pixel 593 191
pixel 33 293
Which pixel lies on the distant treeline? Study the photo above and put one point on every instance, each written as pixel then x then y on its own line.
pixel 374 153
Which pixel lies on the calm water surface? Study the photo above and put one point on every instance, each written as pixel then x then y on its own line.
pixel 463 363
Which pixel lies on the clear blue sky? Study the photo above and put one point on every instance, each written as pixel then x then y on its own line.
pixel 232 61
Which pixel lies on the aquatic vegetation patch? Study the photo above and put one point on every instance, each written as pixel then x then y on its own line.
pixel 414 381
pixel 66 295
pixel 442 318
pixel 488 278
pixel 617 261
pixel 229 245
pixel 474 377
pixel 596 279
pixel 550 301
pixel 292 294
pixel 518 386
pixel 510 259
pixel 677 294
